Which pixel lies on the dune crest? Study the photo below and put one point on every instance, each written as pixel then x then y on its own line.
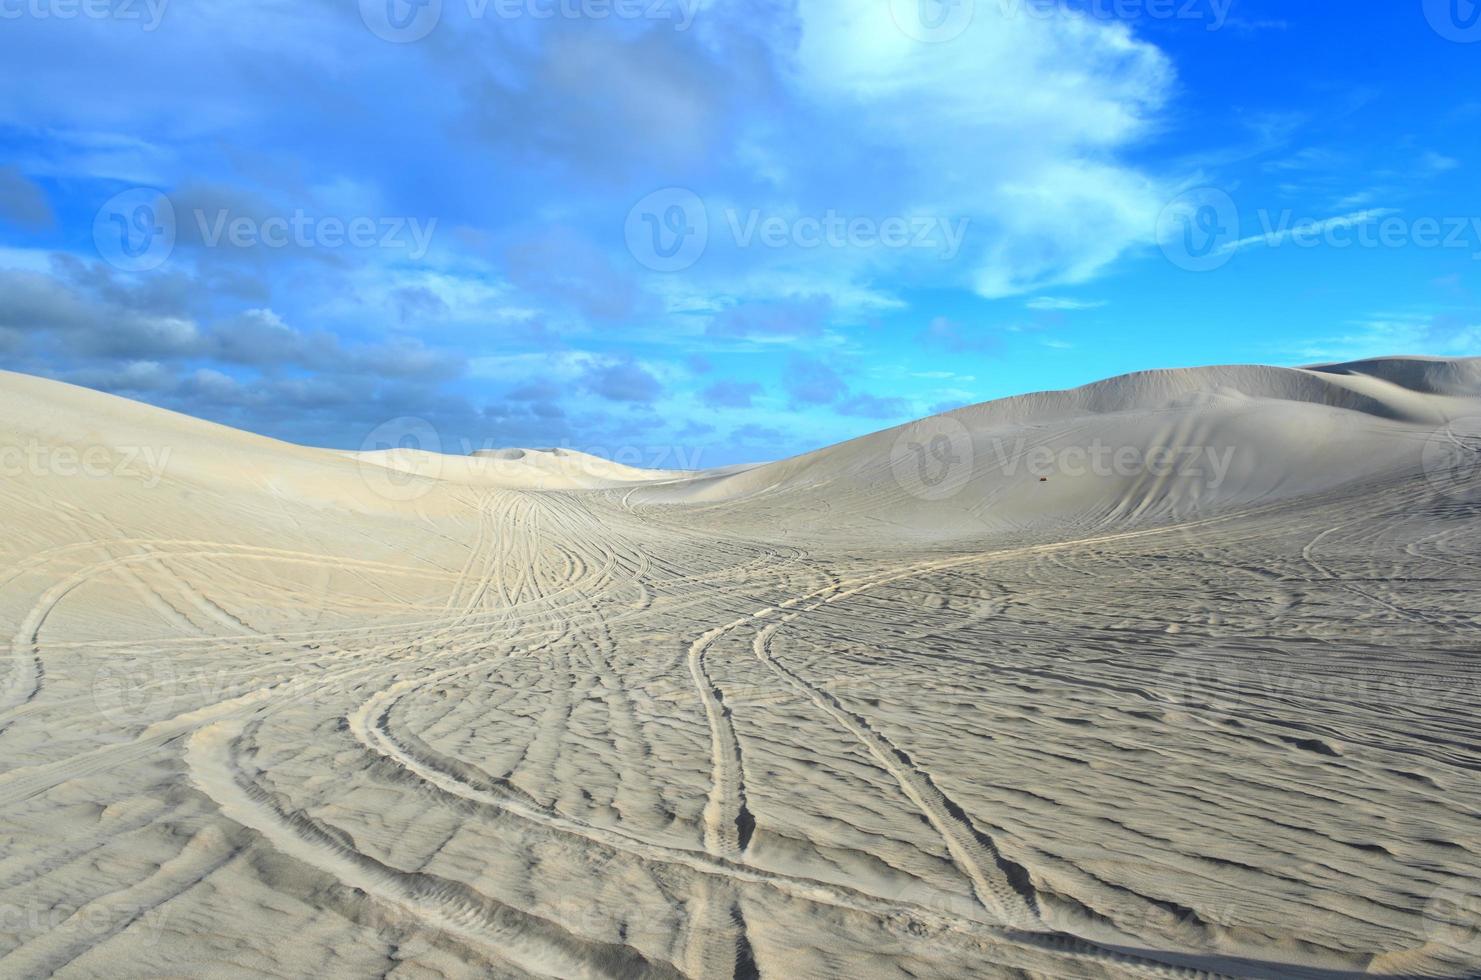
pixel 1150 446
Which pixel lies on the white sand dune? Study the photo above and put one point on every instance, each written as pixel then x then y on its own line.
pixel 1171 675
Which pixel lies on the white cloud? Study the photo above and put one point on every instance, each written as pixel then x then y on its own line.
pixel 1273 236
pixel 1391 333
pixel 1061 304
pixel 1436 163
pixel 1017 124
pixel 1356 200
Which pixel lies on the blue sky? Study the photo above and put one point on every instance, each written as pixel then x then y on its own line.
pixel 697 232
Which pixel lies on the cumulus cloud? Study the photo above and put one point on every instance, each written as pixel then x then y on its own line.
pixel 563 267
pixel 752 434
pixel 811 382
pixel 414 303
pixel 44 307
pixel 1059 304
pixel 600 104
pixel 539 390
pixel 22 201
pixel 134 377
pixel 530 143
pixel 782 320
pixel 88 313
pixel 873 407
pixel 954 337
pixel 730 394
pixel 1393 331
pixel 622 380
pixel 1041 106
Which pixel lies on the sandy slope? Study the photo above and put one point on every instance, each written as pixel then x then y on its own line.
pixel 1170 675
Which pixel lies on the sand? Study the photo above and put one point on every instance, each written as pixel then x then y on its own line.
pixel 1172 675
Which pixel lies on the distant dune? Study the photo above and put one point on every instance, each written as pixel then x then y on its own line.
pixel 1170 675
pixel 1190 442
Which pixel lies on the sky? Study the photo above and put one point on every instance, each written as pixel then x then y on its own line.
pixel 689 233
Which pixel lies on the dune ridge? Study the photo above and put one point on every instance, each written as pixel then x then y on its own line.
pixel 1168 675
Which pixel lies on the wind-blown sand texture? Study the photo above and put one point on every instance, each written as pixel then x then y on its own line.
pixel 951 700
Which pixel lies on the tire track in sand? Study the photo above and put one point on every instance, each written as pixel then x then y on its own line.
pixel 1001 886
